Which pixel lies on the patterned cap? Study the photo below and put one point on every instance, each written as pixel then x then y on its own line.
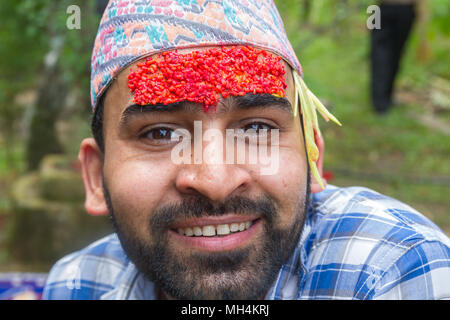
pixel 131 30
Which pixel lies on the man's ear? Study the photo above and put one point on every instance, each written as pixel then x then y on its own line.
pixel 91 159
pixel 315 186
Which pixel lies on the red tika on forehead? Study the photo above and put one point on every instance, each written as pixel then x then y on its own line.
pixel 202 76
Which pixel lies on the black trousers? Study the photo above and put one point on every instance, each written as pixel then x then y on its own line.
pixel 387 45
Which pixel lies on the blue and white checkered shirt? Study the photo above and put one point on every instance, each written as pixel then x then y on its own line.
pixel 356 244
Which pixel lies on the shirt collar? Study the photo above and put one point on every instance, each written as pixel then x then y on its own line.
pixel 132 286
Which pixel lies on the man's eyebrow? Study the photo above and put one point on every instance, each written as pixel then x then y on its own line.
pixel 251 100
pixel 247 101
pixel 138 110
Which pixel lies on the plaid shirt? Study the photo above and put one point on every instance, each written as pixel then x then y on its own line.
pixel 356 244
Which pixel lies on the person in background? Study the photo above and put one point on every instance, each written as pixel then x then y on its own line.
pixel 387 47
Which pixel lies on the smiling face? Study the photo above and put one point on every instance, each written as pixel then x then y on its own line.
pixel 199 230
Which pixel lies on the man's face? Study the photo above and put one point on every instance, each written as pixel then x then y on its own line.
pixel 203 230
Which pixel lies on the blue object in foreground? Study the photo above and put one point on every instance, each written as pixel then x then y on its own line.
pixel 22 286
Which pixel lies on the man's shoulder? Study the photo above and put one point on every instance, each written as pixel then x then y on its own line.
pixel 365 212
pixel 367 243
pixel 87 273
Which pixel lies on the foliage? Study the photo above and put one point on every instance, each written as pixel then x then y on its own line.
pixel 27 29
pixel 441 14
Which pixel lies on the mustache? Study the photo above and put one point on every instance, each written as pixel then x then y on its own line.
pixel 197 207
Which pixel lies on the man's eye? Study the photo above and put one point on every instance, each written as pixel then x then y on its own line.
pixel 257 126
pixel 160 134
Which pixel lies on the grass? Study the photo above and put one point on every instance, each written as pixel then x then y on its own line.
pixel 394 154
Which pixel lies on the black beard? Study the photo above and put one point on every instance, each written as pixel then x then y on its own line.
pixel 244 273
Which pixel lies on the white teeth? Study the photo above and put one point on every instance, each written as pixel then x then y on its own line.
pixel 223 229
pixel 188 232
pixel 209 231
pixel 197 231
pixel 212 230
pixel 234 227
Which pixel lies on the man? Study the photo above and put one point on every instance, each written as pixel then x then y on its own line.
pixel 171 82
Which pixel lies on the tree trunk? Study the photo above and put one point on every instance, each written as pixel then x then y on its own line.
pixel 306 11
pixel 423 20
pixel 52 91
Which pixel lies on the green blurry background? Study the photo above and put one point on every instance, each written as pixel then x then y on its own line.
pixel 45 112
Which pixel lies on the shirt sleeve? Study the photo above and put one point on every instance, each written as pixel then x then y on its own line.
pixel 421 273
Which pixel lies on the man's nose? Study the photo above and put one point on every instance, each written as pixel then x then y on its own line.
pixel 215 181
pixel 212 177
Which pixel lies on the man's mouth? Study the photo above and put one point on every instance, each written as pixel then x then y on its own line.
pixel 215 230
pixel 215 234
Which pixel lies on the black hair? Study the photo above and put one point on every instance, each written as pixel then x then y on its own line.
pixel 97 124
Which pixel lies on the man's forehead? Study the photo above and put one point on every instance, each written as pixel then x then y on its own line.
pixel 121 85
pixel 122 77
pixel 126 71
